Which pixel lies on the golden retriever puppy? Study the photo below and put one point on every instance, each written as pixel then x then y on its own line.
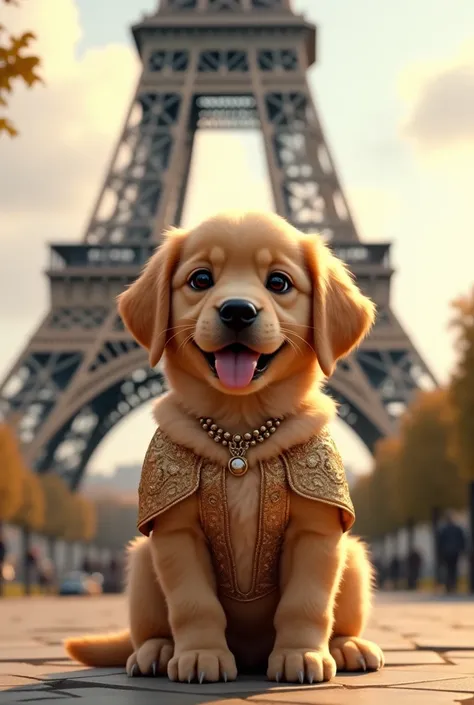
pixel 248 565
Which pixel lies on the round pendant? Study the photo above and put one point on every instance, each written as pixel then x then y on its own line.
pixel 238 466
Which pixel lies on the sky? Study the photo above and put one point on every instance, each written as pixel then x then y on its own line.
pixel 394 87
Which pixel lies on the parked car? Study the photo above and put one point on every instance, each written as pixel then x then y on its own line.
pixel 79 583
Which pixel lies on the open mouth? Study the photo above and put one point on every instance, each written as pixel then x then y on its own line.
pixel 237 365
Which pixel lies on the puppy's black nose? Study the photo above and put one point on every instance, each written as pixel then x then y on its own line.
pixel 238 314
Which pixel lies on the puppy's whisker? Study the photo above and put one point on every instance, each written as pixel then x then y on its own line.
pixel 191 328
pixel 292 344
pixel 184 322
pixel 180 326
pixel 291 332
pixel 186 340
pixel 299 325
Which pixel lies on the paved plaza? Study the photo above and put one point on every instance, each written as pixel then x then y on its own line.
pixel 428 643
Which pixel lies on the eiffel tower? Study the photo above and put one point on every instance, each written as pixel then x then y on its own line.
pixel 206 64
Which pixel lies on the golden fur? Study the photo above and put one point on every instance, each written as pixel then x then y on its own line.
pixel 177 623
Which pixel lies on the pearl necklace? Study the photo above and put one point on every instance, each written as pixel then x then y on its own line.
pixel 238 444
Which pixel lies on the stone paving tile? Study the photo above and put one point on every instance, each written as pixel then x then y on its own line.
pixel 365 696
pixel 389 641
pixel 41 672
pixel 310 696
pixel 18 644
pixel 12 681
pixel 460 640
pixel 13 697
pixel 445 670
pixel 242 686
pixel 413 658
pixel 19 653
pixel 77 673
pixel 463 665
pixel 38 696
pixel 453 685
pixel 131 698
pixel 391 677
pixel 414 631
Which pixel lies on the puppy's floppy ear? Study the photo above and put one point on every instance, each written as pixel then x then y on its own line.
pixel 145 306
pixel 342 315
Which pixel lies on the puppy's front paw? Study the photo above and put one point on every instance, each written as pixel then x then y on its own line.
pixel 209 665
pixel 132 666
pixel 153 656
pixel 352 653
pixel 300 665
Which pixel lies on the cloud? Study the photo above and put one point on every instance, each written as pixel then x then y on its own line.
pixel 373 210
pixel 68 126
pixel 51 173
pixel 440 102
pixel 68 129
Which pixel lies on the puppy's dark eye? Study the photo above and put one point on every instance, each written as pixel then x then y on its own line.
pixel 279 283
pixel 200 280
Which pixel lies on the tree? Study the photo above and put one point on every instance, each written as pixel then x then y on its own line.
pixel 56 494
pixel 462 387
pixel 386 498
pixel 375 495
pixel 462 402
pixel 11 479
pixel 362 500
pixel 82 519
pixel 89 519
pixel 116 522
pixel 15 65
pixel 429 477
pixel 30 516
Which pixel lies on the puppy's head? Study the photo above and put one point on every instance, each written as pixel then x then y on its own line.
pixel 245 300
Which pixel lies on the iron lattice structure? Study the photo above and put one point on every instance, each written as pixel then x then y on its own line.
pixel 206 64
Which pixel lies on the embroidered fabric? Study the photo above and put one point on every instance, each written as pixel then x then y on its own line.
pixel 171 473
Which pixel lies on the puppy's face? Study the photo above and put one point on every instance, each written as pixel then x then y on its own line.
pixel 244 301
pixel 241 304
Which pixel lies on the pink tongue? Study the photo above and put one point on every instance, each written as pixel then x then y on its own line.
pixel 236 370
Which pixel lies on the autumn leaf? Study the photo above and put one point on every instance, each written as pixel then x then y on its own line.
pixel 429 475
pixel 462 387
pixel 15 65
pixel 7 126
pixel 31 514
pixel 11 474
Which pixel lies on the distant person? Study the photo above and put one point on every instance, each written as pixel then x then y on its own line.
pixel 382 573
pixel 394 571
pixel 3 555
pixel 379 572
pixel 46 574
pixel 451 546
pixel 414 563
pixel 31 566
pixel 114 582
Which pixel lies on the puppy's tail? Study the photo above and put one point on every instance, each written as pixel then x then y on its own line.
pixel 100 650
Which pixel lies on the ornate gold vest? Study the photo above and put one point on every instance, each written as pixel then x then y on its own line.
pixel 171 473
